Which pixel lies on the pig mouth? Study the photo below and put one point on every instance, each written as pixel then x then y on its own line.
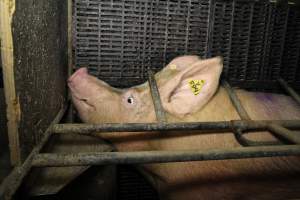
pixel 84 101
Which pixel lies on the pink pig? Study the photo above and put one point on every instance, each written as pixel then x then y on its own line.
pixel 260 178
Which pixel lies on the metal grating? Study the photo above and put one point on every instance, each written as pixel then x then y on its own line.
pixel 121 40
pixel 291 54
pixel 277 40
pixel 240 38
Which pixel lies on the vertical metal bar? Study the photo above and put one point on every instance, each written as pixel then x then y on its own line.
pixel 248 41
pixel 70 113
pixel 70 57
pixel 282 43
pixel 11 183
pixel 289 90
pixel 70 21
pixel 236 102
pixel 227 70
pixel 284 133
pixel 187 27
pixel 166 38
pixel 210 22
pixel 159 111
pixel 265 61
pixel 238 133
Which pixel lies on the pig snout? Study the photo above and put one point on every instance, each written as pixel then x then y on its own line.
pixel 80 73
pixel 77 83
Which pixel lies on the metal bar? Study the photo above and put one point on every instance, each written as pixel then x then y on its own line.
pixel 239 135
pixel 159 110
pixel 70 57
pixel 284 133
pixel 70 22
pixel 236 102
pixel 89 129
pixel 289 90
pixel 14 179
pixel 96 158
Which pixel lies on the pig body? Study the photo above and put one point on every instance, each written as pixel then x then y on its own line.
pixel 260 178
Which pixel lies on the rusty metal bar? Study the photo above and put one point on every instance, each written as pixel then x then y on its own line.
pixel 289 90
pixel 14 179
pixel 284 133
pixel 159 110
pixel 57 160
pixel 236 102
pixel 89 129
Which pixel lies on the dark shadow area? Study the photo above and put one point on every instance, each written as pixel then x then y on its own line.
pixel 122 182
pixel 4 149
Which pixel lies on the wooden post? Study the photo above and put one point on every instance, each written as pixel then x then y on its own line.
pixel 7 8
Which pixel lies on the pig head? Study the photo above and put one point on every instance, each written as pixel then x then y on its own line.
pixel 186 84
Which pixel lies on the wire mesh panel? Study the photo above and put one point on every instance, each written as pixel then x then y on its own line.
pixel 256 51
pixel 221 31
pixel 277 40
pixel 120 40
pixel 291 55
pixel 240 39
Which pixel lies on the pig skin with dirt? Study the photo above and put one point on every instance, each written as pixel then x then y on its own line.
pixel 260 178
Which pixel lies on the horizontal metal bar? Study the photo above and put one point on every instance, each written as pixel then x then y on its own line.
pixel 284 133
pixel 11 183
pixel 236 102
pixel 89 129
pixel 289 90
pixel 43 160
pixel 159 110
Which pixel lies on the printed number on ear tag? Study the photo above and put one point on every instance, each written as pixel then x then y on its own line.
pixel 196 86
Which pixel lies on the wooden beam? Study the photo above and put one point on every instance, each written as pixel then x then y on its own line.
pixel 7 8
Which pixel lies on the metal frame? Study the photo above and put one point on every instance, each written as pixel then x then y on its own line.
pixel 289 143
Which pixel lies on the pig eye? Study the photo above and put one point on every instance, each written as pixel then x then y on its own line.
pixel 130 100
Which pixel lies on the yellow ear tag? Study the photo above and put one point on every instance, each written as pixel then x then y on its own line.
pixel 196 86
pixel 173 67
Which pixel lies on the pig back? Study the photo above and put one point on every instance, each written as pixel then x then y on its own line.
pixel 259 178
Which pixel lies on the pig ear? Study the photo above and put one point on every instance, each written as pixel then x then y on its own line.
pixel 182 62
pixel 189 90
